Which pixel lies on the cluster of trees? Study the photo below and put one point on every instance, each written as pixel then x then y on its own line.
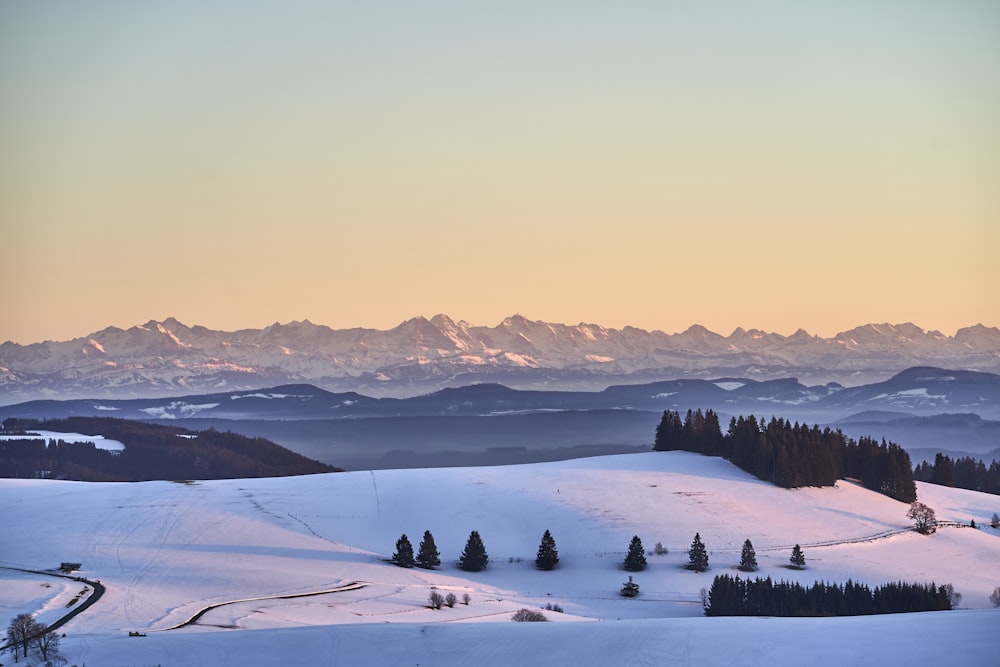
pixel 790 455
pixel 962 473
pixel 152 451
pixel 436 600
pixel 474 557
pixel 427 557
pixel 732 596
pixel 24 634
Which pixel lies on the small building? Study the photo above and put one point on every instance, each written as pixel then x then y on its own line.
pixel 70 567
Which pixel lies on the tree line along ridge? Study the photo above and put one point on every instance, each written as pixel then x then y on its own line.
pixel 791 455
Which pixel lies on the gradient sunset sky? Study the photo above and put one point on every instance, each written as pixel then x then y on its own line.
pixel 773 165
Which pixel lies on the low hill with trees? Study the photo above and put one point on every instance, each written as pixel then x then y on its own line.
pixel 791 455
pixel 152 452
pixel 962 473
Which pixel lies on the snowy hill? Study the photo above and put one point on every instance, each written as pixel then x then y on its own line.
pixel 166 550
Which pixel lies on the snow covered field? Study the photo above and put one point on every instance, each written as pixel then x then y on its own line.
pixel 99 441
pixel 167 550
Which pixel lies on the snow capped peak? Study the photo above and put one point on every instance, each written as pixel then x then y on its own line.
pixel 442 321
pixel 699 331
pixel 516 321
pixel 170 334
pixel 147 359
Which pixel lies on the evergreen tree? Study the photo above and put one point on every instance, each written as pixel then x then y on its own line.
pixel 798 559
pixel 714 443
pixel 548 555
pixel 669 432
pixel 748 559
pixel 474 558
pixel 630 589
pixel 944 471
pixel 697 555
pixel 404 552
pixel 428 556
pixel 635 560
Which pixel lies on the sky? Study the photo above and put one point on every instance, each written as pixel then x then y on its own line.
pixel 770 165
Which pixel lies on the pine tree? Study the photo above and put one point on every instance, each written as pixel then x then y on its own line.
pixel 748 559
pixel 548 556
pixel 428 556
pixel 635 560
pixel 798 560
pixel 669 432
pixel 474 558
pixel 697 555
pixel 404 552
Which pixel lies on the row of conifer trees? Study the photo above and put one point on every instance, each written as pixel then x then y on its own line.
pixel 474 557
pixel 635 560
pixel 733 596
pixel 791 455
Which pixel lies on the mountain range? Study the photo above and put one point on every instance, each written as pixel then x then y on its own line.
pixel 422 355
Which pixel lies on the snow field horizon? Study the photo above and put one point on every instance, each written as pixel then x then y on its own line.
pixel 165 550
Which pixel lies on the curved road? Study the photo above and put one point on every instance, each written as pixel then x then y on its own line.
pixel 83 606
pixel 353 586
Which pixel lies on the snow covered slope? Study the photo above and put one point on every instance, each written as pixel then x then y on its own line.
pixel 167 550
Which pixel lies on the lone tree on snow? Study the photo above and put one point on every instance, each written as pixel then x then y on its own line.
pixel 474 558
pixel 630 589
pixel 635 560
pixel 923 517
pixel 428 556
pixel 748 559
pixel 798 560
pixel 548 555
pixel 404 552
pixel 697 555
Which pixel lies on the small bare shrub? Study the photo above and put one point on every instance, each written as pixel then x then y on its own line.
pixel 528 615
pixel 466 599
pixel 436 600
pixel 450 599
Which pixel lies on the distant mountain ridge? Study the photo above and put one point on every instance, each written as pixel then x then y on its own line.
pixel 915 391
pixel 422 355
pixel 924 409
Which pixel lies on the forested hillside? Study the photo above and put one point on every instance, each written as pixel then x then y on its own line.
pixel 791 455
pixel 151 452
